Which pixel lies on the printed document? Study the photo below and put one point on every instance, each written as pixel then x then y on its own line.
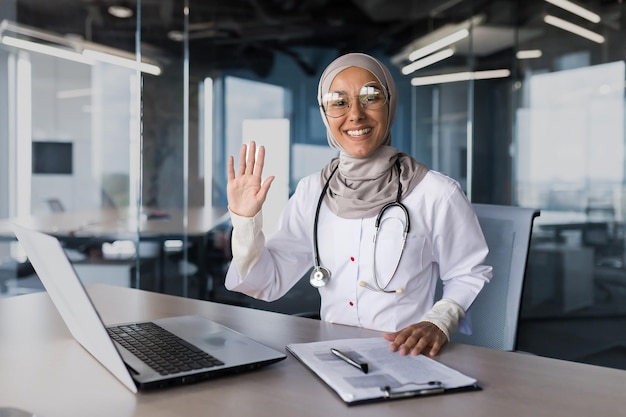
pixel 387 375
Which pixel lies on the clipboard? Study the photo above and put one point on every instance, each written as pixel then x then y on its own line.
pixel 387 376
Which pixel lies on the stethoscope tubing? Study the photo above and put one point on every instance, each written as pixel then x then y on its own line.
pixel 320 275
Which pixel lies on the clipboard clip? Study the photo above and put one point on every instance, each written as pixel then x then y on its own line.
pixel 424 388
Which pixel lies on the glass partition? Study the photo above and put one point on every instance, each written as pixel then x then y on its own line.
pixel 569 161
pixel 97 147
pixel 122 126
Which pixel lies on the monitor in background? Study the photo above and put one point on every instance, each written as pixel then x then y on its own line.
pixel 51 157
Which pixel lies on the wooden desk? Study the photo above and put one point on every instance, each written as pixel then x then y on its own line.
pixel 45 371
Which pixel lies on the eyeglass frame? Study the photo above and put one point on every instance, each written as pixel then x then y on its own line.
pixel 375 84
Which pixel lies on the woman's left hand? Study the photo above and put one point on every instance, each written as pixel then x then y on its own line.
pixel 423 337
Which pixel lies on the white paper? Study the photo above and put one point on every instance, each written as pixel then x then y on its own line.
pixel 413 375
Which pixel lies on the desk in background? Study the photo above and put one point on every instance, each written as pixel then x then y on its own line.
pixel 45 371
pixel 95 226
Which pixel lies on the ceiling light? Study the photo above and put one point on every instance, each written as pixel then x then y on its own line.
pixel 572 28
pixel 429 60
pixel 437 39
pixel 69 48
pixel 441 43
pixel 74 93
pixel 529 54
pixel 576 9
pixel 122 62
pixel 122 12
pixel 46 50
pixel 460 76
pixel 176 35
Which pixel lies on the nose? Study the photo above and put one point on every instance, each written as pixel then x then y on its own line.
pixel 355 110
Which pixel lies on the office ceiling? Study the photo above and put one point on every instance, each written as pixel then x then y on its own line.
pixel 227 34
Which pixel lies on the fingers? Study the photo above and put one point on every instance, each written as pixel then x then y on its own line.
pixel 249 162
pixel 260 162
pixel 242 160
pixel 231 168
pixel 251 158
pixel 265 187
pixel 421 338
pixel 436 348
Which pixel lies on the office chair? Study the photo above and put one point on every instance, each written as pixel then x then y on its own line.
pixel 495 312
pixel 55 205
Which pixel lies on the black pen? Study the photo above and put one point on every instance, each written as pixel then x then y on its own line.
pixel 360 365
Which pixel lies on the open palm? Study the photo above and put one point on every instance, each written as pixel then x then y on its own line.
pixel 246 192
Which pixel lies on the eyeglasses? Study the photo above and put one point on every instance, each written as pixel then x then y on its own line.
pixel 337 103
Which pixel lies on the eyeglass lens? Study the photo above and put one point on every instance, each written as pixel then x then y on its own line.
pixel 337 103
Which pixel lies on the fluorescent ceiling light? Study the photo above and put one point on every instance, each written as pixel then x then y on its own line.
pixel 121 12
pixel 576 9
pixel 429 60
pixel 75 93
pixel 46 50
pixel 441 43
pixel 572 28
pixel 460 76
pixel 72 49
pixel 435 40
pixel 529 54
pixel 122 62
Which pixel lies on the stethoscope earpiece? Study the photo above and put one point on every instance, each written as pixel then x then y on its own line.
pixel 397 290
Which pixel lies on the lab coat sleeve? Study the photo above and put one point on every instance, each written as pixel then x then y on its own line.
pixel 445 314
pixel 460 249
pixel 268 268
pixel 247 241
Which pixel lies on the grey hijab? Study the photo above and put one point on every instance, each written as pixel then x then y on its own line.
pixel 361 186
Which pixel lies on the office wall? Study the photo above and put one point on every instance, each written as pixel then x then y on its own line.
pixel 4 134
pixel 7 10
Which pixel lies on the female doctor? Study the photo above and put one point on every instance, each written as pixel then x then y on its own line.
pixel 377 227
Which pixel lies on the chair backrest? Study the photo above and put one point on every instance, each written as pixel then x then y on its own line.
pixel 55 205
pixel 495 312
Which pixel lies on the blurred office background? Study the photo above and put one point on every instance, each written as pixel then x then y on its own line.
pixel 131 107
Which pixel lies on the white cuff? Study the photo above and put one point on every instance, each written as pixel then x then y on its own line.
pixel 247 241
pixel 445 314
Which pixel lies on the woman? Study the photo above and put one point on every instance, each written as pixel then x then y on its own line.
pixel 385 225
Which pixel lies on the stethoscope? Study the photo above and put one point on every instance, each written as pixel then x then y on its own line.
pixel 321 275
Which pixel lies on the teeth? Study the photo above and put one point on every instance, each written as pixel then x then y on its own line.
pixel 360 132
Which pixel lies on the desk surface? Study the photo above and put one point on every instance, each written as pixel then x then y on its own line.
pixel 119 223
pixel 45 371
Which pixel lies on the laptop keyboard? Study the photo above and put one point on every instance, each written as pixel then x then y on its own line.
pixel 163 351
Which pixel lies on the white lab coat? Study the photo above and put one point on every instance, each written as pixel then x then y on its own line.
pixel 445 240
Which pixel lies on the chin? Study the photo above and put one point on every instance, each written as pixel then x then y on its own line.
pixel 360 151
pixel 360 155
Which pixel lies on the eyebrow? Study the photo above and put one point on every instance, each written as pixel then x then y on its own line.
pixel 374 84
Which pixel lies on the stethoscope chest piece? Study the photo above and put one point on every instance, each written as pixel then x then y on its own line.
pixel 319 276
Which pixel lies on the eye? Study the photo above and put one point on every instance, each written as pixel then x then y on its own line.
pixel 335 100
pixel 370 95
pixel 370 98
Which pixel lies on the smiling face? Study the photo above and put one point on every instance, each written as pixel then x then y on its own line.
pixel 361 130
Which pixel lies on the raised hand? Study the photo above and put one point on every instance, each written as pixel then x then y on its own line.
pixel 246 192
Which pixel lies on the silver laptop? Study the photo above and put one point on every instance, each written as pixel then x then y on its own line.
pixel 213 349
